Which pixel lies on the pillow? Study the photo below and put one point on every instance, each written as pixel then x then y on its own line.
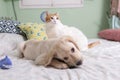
pixel 34 31
pixel 10 26
pixel 9 42
pixel 110 34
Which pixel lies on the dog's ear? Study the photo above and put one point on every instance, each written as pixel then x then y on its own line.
pixel 45 58
pixel 70 39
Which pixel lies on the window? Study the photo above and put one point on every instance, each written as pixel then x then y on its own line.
pixel 50 3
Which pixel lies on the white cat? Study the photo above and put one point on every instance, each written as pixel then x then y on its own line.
pixel 54 28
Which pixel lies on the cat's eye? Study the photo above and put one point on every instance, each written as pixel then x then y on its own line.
pixel 51 17
pixel 57 18
pixel 72 50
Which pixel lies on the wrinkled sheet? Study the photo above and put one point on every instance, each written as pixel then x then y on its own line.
pixel 100 63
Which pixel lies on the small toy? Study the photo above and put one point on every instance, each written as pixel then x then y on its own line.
pixel 5 62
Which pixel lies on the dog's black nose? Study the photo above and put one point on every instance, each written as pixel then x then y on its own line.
pixel 79 62
pixel 72 67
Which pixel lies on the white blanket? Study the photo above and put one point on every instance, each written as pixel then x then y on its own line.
pixel 100 63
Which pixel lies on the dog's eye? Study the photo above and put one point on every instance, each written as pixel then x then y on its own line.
pixel 72 50
pixel 65 58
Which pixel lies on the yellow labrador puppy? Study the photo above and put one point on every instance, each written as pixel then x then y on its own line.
pixel 60 52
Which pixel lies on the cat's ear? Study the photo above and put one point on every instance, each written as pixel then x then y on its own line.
pixel 46 13
pixel 57 14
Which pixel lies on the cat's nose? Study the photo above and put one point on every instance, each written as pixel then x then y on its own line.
pixel 55 22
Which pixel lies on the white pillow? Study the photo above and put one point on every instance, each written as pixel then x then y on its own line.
pixel 9 42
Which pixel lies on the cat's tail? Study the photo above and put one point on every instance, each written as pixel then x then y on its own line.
pixel 93 44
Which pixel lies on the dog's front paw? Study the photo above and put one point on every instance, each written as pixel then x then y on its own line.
pixel 57 64
pixel 61 66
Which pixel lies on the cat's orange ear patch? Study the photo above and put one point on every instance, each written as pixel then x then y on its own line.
pixel 57 14
pixel 47 13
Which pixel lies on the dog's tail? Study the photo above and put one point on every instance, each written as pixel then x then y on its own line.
pixel 21 48
pixel 93 44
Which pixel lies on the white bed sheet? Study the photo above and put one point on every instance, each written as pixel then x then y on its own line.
pixel 100 63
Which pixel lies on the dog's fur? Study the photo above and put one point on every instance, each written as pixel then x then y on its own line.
pixel 60 52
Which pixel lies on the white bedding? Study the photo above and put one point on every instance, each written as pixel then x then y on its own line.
pixel 100 63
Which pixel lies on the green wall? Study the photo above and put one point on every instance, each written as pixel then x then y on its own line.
pixel 90 19
pixel 3 8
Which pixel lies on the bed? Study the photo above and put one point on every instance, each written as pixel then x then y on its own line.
pixel 100 63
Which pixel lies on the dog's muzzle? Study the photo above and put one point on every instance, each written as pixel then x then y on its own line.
pixel 71 67
pixel 79 63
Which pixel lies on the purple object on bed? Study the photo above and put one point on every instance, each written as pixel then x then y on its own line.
pixel 5 62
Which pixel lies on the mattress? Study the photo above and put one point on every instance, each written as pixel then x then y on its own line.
pixel 101 62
